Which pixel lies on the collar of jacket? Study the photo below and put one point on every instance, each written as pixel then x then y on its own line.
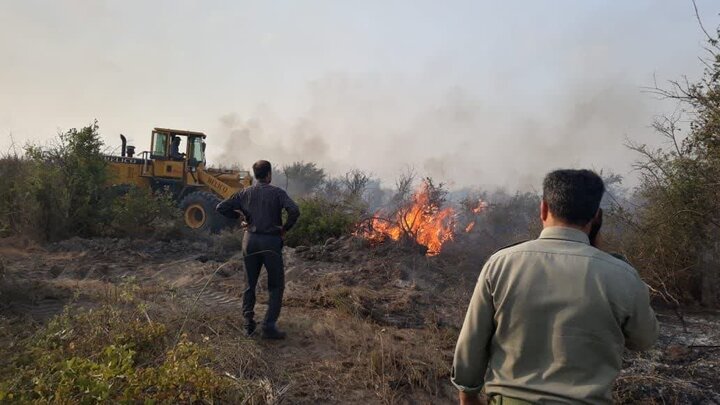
pixel 563 233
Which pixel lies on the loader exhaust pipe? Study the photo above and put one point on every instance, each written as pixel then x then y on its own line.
pixel 123 146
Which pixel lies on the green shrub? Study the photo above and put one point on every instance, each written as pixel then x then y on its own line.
pixel 108 355
pixel 65 184
pixel 320 220
pixel 674 223
pixel 53 191
pixel 12 168
pixel 60 190
pixel 140 211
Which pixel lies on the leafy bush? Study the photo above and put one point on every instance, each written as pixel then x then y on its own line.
pixel 301 178
pixel 12 168
pixel 60 190
pixel 65 184
pixel 108 355
pixel 139 211
pixel 320 220
pixel 675 225
pixel 54 191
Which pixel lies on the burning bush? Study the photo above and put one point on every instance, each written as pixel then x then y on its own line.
pixel 422 219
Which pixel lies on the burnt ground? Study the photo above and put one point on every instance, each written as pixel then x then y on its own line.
pixel 365 325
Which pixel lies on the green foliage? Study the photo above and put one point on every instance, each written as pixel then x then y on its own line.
pixel 53 192
pixel 320 220
pixel 675 226
pixel 139 211
pixel 12 168
pixel 301 178
pixel 65 183
pixel 59 190
pixel 108 355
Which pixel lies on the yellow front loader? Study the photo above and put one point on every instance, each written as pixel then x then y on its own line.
pixel 176 162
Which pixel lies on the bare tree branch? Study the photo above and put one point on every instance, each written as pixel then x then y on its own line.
pixel 700 23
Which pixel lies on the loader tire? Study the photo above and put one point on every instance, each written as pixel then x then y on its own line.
pixel 199 212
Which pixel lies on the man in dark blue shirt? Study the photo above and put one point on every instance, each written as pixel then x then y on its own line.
pixel 262 205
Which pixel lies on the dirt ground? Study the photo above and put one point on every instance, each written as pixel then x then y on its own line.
pixel 365 325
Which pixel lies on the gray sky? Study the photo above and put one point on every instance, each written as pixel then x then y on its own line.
pixel 470 92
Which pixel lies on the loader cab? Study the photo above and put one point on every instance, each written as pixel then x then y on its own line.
pixel 176 144
pixel 174 151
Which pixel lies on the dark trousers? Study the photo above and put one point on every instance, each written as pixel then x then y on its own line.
pixel 259 250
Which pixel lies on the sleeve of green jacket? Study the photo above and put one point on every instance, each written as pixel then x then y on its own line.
pixel 641 328
pixel 473 346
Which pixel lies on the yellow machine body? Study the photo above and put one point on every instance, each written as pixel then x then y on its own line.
pixel 180 168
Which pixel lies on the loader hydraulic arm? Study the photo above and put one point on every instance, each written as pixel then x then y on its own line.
pixel 215 184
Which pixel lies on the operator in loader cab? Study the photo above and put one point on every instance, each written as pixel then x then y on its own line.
pixel 175 148
pixel 262 205
pixel 549 318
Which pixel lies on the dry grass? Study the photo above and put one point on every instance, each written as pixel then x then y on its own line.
pixel 363 359
pixel 382 331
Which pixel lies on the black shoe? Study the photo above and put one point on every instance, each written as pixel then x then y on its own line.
pixel 273 334
pixel 250 328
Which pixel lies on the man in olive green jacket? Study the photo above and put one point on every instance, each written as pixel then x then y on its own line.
pixel 549 318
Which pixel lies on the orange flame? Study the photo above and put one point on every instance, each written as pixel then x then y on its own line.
pixel 470 227
pixel 423 221
pixel 478 209
pixel 482 205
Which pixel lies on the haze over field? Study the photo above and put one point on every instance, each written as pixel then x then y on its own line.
pixel 469 93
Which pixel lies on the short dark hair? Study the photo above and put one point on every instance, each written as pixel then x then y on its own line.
pixel 261 169
pixel 573 195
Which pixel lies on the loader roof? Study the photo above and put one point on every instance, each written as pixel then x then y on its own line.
pixel 180 132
